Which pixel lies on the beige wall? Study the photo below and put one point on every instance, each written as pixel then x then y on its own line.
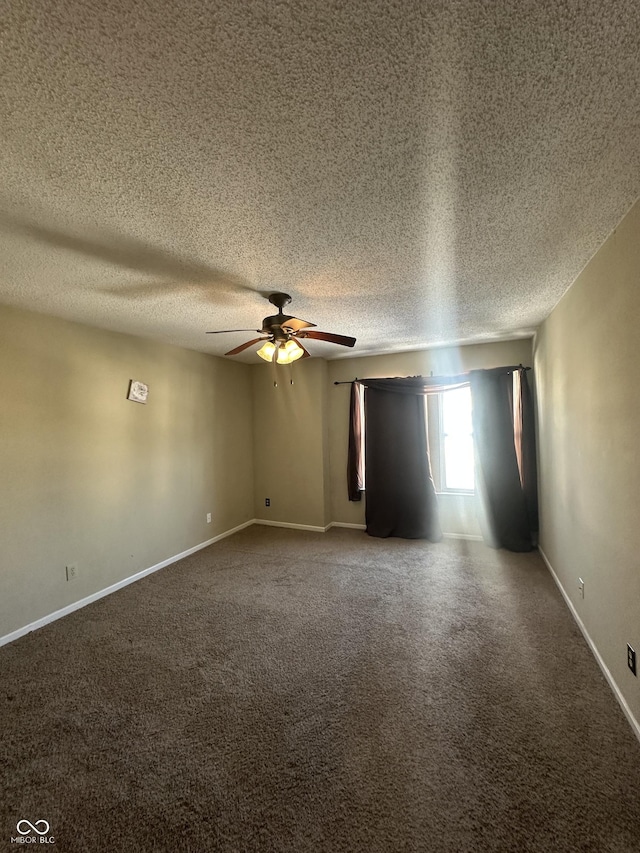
pixel 290 443
pixel 457 512
pixel 589 418
pixel 93 479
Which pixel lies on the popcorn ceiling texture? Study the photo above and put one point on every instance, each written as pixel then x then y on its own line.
pixel 412 173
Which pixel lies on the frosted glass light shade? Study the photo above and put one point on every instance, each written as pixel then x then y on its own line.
pixel 288 352
pixel 266 351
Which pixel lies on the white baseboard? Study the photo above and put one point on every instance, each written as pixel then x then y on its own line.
pixel 635 725
pixel 89 599
pixel 313 528
pixel 316 529
pixel 471 537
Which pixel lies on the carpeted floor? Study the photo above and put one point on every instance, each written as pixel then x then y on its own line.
pixel 292 691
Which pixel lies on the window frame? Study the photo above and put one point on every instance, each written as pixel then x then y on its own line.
pixel 438 458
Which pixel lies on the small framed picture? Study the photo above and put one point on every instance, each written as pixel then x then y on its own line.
pixel 138 391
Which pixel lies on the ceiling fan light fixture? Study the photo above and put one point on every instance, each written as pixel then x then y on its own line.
pixel 288 352
pixel 266 351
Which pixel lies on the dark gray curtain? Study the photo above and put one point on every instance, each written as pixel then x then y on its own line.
pixel 529 465
pixel 497 462
pixel 401 497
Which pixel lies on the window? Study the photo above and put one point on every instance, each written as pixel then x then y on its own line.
pixel 450 433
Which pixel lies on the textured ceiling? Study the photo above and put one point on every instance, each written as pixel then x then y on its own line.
pixel 412 173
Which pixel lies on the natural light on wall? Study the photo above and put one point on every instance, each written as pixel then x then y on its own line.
pixel 457 443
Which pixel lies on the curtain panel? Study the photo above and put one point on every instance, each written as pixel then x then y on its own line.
pixel 529 462
pixel 355 462
pixel 401 497
pixel 503 434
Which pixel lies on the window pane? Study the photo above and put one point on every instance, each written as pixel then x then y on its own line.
pixel 456 412
pixel 458 462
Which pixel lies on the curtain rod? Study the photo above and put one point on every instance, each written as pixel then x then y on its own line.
pixel 351 381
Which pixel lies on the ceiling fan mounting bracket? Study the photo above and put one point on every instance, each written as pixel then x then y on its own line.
pixel 279 300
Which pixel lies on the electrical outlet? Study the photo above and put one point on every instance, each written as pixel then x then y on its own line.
pixel 208 518
pixel 581 587
pixel 72 572
pixel 267 501
pixel 631 659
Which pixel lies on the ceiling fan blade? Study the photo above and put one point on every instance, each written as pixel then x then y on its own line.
pixel 306 353
pixel 224 331
pixel 295 324
pixel 343 340
pixel 244 346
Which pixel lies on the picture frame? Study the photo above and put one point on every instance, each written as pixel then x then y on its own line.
pixel 138 391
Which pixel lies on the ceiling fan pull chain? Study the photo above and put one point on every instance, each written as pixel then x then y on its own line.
pixel 275 369
pixel 290 373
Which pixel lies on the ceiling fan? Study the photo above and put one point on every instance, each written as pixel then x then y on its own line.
pixel 281 333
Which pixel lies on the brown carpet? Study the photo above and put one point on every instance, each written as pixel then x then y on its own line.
pixel 291 691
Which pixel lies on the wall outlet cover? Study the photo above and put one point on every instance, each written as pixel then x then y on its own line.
pixel 208 518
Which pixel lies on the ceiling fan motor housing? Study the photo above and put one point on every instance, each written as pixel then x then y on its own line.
pixel 274 326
